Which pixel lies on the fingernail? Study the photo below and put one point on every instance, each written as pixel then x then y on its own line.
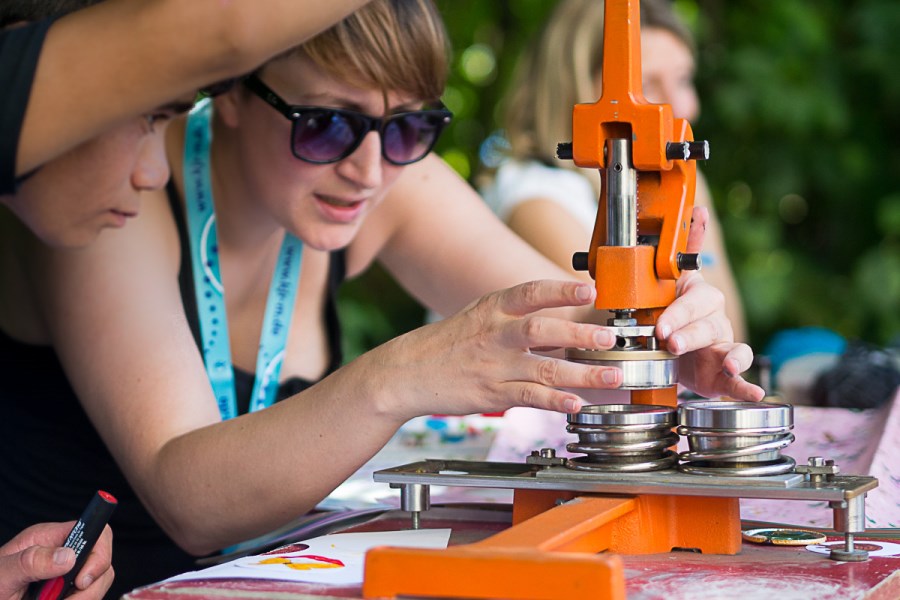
pixel 583 292
pixel 664 330
pixel 61 556
pixel 572 405
pixel 604 338
pixel 610 376
pixel 675 344
pixel 86 582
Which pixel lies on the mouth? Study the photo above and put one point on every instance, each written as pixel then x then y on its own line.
pixel 341 210
pixel 128 214
pixel 340 202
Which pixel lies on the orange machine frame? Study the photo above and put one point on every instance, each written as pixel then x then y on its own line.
pixel 560 545
pixel 638 277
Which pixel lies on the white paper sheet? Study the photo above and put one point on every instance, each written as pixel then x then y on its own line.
pixel 335 559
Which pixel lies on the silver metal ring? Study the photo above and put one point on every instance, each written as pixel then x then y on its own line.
pixel 784 465
pixel 583 463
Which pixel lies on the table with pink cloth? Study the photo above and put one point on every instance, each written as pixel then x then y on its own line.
pixel 860 441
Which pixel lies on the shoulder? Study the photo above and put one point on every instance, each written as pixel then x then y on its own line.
pixel 519 181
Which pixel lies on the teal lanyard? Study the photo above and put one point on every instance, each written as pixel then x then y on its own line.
pixel 208 283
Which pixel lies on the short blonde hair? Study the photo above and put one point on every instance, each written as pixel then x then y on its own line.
pixel 559 70
pixel 392 45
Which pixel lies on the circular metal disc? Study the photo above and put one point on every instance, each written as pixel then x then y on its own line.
pixel 852 556
pixel 623 414
pixel 732 414
pixel 783 537
pixel 641 369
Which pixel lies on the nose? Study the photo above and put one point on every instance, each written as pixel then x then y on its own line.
pixel 683 98
pixel 364 166
pixel 151 169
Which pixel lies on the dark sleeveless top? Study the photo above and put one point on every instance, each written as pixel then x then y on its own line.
pixel 53 460
pixel 20 49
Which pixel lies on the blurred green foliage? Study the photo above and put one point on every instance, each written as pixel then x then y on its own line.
pixel 801 105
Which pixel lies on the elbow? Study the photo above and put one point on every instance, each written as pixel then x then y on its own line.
pixel 241 42
pixel 190 535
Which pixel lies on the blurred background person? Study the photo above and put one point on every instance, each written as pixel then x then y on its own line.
pixel 552 203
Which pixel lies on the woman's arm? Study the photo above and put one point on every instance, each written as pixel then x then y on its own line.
pixel 433 229
pixel 114 314
pixel 552 231
pixel 121 58
pixel 442 243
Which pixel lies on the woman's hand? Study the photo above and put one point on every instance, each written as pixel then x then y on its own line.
pixel 695 328
pixel 481 359
pixel 37 554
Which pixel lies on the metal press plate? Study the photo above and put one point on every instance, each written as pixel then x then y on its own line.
pixel 791 486
pixel 731 415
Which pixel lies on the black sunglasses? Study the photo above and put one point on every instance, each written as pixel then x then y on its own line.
pixel 323 135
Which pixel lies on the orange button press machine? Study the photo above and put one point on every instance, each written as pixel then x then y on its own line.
pixel 572 517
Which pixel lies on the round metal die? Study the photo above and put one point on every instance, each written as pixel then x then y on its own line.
pixel 736 438
pixel 735 415
pixel 641 369
pixel 628 415
pixel 622 438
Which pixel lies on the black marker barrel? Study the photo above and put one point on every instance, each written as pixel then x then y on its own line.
pixel 81 539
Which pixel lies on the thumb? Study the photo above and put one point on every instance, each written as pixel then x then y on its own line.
pixel 35 563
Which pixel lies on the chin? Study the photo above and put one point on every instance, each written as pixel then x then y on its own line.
pixel 332 240
pixel 71 240
pixel 72 237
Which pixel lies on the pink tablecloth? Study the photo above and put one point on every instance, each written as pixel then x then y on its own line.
pixel 861 442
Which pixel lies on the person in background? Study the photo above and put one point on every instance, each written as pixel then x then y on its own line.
pixel 213 417
pixel 552 203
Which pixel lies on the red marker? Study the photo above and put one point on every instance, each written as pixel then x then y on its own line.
pixel 81 539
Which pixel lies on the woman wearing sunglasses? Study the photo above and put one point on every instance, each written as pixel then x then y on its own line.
pixel 202 342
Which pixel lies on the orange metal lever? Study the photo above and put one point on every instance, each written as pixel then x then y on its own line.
pixel 638 276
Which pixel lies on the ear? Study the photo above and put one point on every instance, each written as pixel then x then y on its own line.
pixel 227 105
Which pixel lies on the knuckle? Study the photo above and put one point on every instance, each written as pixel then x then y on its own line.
pixel 527 396
pixel 27 559
pixel 690 312
pixel 530 292
pixel 547 371
pixel 532 328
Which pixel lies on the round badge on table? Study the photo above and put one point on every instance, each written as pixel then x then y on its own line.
pixel 783 536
